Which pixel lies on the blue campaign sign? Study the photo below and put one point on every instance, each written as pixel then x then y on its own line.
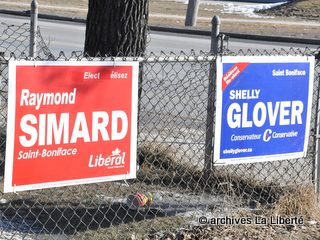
pixel 263 108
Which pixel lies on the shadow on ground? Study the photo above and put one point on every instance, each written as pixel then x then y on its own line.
pixel 37 218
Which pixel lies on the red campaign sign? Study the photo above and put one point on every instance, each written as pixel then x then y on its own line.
pixel 70 123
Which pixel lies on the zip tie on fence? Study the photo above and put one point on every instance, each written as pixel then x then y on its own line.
pixel 125 180
pixel 126 183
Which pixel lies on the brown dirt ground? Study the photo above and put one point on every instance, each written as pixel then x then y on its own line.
pixel 308 10
pixel 305 9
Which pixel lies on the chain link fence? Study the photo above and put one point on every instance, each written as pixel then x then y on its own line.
pixel 171 152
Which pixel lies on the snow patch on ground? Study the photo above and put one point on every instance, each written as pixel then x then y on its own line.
pixel 246 9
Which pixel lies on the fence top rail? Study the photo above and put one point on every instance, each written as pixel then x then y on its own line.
pixel 154 57
pixel 149 59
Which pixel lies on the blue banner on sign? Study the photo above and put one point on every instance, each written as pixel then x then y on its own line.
pixel 263 109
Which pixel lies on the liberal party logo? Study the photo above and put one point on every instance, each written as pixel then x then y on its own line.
pixel 267 135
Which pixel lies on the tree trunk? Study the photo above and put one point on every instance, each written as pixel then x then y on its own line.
pixel 116 27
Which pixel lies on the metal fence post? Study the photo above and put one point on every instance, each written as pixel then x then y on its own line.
pixel 215 35
pixel 208 161
pixel 192 13
pixel 33 29
pixel 316 166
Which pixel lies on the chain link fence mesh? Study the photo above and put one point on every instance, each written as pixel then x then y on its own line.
pixel 171 148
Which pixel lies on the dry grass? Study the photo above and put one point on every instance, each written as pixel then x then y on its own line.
pixel 161 169
pixel 306 9
pixel 305 4
pixel 300 201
